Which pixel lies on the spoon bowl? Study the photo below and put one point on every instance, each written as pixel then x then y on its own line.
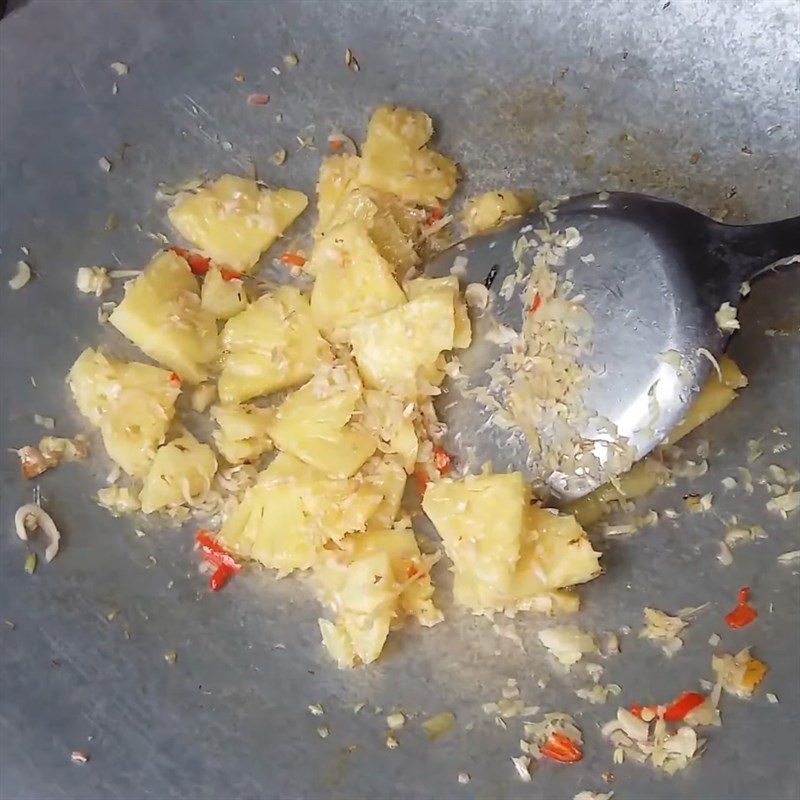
pixel 652 276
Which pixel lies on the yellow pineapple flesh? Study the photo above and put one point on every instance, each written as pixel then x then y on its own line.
pixel 393 347
pixel 133 404
pixel 234 220
pixel 491 209
pixel 181 470
pixel 292 511
pixel 396 158
pixel 372 580
pixel 243 433
pixel 272 345
pixel 462 332
pixel 222 297
pixel 161 314
pixel 353 281
pixel 315 423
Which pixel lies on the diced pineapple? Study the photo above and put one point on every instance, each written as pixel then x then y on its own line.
pixel 385 415
pixel 715 395
pixel 555 553
pixel 392 225
pixel 336 184
pixel 353 281
pixel 181 470
pixel 390 348
pixel 315 423
pixel 162 315
pixel 389 477
pixel 481 521
pixel 293 510
pixel 396 159
pixel 234 220
pixel 506 555
pixel 462 333
pixel 243 431
pixel 372 581
pixel 489 210
pixel 222 297
pixel 648 473
pixel 272 345
pixel 133 405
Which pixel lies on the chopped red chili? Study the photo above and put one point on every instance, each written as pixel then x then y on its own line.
pixel 561 748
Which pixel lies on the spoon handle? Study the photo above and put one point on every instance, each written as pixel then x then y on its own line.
pixel 753 248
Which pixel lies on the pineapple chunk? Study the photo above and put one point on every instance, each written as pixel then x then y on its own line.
pixel 181 470
pixel 385 415
pixel 555 553
pixel 395 158
pixel 392 347
pixel 353 281
pixel 336 203
pixel 162 315
pixel 506 555
pixel 292 511
pixel 392 225
pixel 462 333
pixel 224 298
pixel 389 476
pixel 481 521
pixel 314 423
pixel 272 345
pixel 234 220
pixel 715 395
pixel 489 210
pixel 133 405
pixel 372 581
pixel 243 431
pixel 648 473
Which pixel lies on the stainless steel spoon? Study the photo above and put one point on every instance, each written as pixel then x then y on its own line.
pixel 653 275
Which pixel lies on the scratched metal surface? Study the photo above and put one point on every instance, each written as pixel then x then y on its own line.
pixel 693 100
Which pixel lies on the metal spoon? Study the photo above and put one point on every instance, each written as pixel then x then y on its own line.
pixel 653 275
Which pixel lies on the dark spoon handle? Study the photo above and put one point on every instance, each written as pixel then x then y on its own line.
pixel 753 248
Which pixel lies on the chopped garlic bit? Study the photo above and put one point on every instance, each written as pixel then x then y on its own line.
pixel 104 164
pixel 789 558
pixel 45 422
pixel 392 743
pixel 714 639
pixel 785 504
pixel 30 518
pixel 323 732
pixel 652 742
pixel 702 351
pixel 726 318
pixel 21 277
pixel 665 629
pixel 463 778
pixel 522 764
pixel 771 698
pixel 724 556
pixel 698 504
pixel 316 709
pixel 93 280
pixel 78 757
pixel 744 288
pixel 587 795
pixel 291 60
pixel 351 61
pixel 395 721
pixel 739 674
pixel 120 68
pixel 567 643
